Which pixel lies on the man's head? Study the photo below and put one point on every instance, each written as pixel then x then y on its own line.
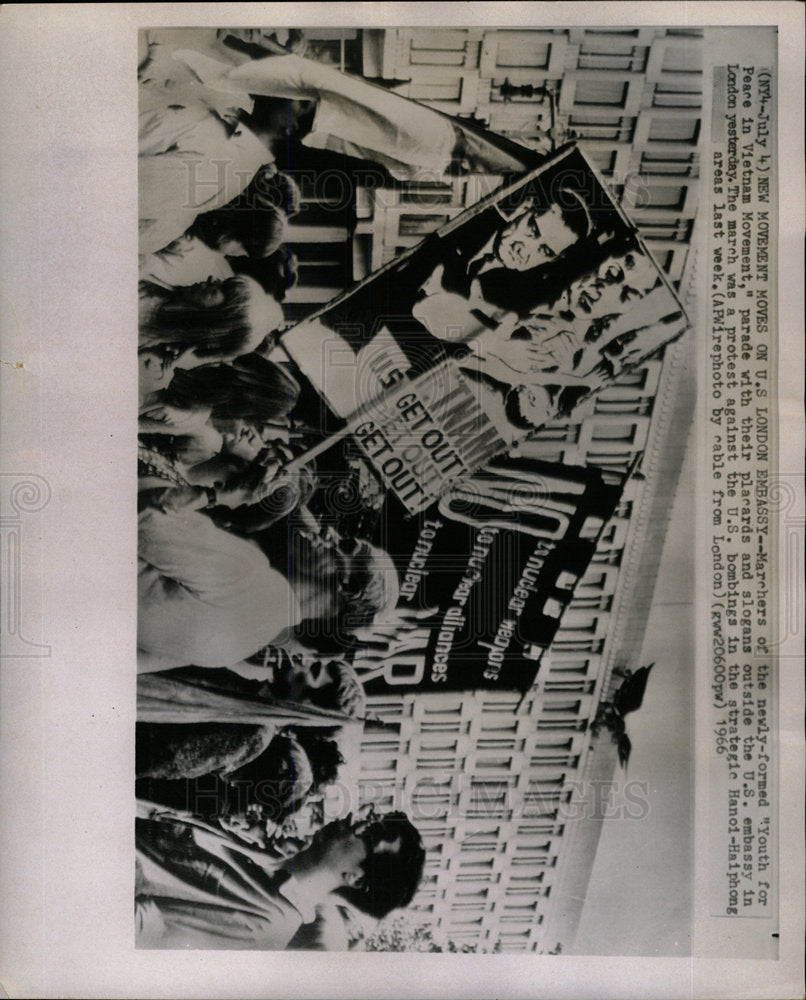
pixel 329 684
pixel 272 188
pixel 377 864
pixel 324 756
pixel 217 320
pixel 275 118
pixel 528 407
pixel 539 235
pixel 341 578
pixel 241 438
pixel 609 289
pixel 237 232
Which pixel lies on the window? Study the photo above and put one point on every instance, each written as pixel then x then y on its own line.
pixel 613 432
pixel 554 760
pixel 388 709
pixel 426 194
pixel 612 557
pixel 435 830
pixel 672 162
pixel 539 786
pixel 502 701
pixel 439 39
pixel 629 59
pixel 678 230
pixel 543 828
pixel 682 59
pixel 637 408
pixel 610 93
pixel 420 225
pixel 451 709
pixel 554 743
pixel 587 126
pixel 611 39
pixel 490 833
pixel 679 96
pixel 665 196
pixel 557 432
pixel 538 804
pixel 471 847
pixel 596 602
pixel 432 803
pixel 476 863
pixel 471 894
pixel 585 645
pixel 435 762
pixel 542 449
pixel 375 766
pixel 471 906
pixel 522 910
pixel 522 49
pixel 489 790
pixel 571 668
pixel 603 159
pixel 499 726
pixel 498 744
pixel 522 885
pixel 448 90
pixel 562 705
pixel 566 725
pixel 500 764
pixel 532 861
pixel 619 462
pixel 674 130
pixel 435 744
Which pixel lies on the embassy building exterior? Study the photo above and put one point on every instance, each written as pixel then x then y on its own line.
pixel 511 792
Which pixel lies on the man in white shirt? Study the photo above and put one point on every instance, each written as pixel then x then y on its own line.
pixel 198 888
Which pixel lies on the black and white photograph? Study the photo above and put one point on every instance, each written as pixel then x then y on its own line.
pixel 387 610
pixel 447 584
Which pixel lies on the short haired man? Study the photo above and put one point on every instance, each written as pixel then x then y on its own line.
pixel 224 895
pixel 494 264
pixel 535 236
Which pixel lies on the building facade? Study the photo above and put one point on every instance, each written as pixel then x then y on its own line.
pixel 503 788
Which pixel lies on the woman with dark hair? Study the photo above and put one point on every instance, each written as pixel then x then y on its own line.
pixel 240 232
pixel 217 439
pixel 270 188
pixel 277 273
pixel 204 323
pixel 213 415
pixel 250 387
pixel 248 229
